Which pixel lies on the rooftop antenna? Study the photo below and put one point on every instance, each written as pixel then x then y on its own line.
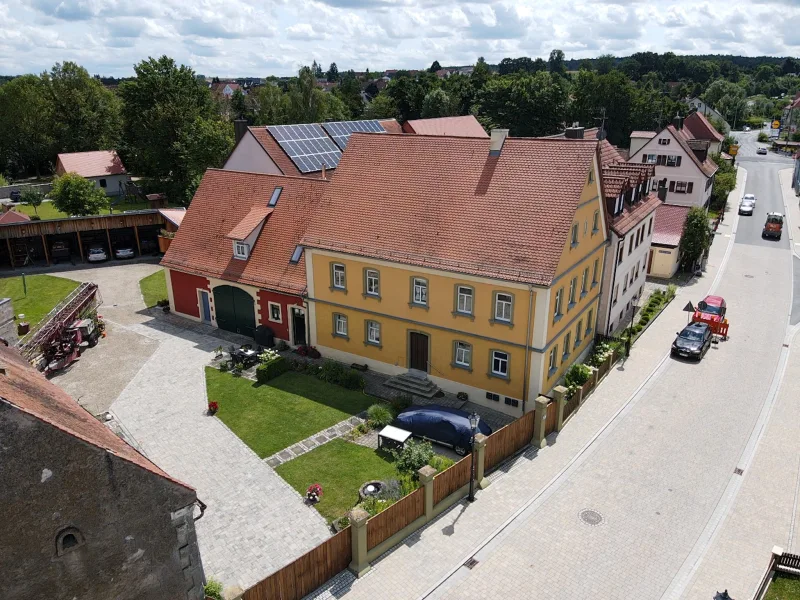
pixel 601 134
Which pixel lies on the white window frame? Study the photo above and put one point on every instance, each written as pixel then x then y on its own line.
pixel 671 158
pixel 340 319
pixel 467 294
pixel 557 303
pixel 567 344
pixel 419 291
pixel 373 326
pixel 584 281
pixel 270 306
pixel 572 285
pixel 596 222
pixel 589 326
pixel 574 237
pixel 240 250
pixel 595 268
pixel 373 275
pixel 579 333
pixel 652 159
pixel 500 307
pixel 681 187
pixel 338 269
pixel 463 354
pixel 501 361
pixel 553 363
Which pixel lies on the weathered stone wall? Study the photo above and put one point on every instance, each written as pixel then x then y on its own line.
pixel 138 536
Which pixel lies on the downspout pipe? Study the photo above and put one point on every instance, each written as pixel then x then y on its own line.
pixel 525 375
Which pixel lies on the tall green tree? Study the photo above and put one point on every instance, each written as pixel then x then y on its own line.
pixel 206 144
pixel 161 104
pixel 333 72
pixel 408 93
pixel 436 104
pixel 435 66
pixel 76 196
pixel 316 69
pixel 605 99
pixel 555 63
pixel 26 116
pixel 480 74
pixel 349 92
pixel 605 63
pixel 696 238
pixel 85 115
pixel 270 105
pixel 238 105
pixel 33 198
pixel 381 107
pixel 306 102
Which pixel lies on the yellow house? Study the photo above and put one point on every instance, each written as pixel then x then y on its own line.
pixel 472 264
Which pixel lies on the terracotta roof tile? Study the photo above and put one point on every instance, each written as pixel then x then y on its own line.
pixel 668 226
pixel 224 198
pixel 391 125
pixel 248 224
pixel 466 126
pixel 643 134
pixel 13 216
pixel 91 164
pixel 608 154
pixel 614 185
pixel 633 215
pixel 25 388
pixel 443 202
pixel 702 128
pixel 173 215
pixel 708 166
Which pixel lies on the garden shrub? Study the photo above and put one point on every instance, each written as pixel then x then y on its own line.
pixel 401 402
pixel 440 463
pixel 373 505
pixel 213 589
pixel 672 289
pixel 331 371
pixel 407 483
pixel 379 415
pixel 282 346
pixel 237 369
pixel 352 380
pixel 391 490
pixel 413 457
pixel 224 367
pixel 270 370
pixel 577 375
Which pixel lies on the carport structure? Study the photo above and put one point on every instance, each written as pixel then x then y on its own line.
pixel 42 242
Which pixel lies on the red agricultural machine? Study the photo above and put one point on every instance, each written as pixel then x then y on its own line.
pixel 58 340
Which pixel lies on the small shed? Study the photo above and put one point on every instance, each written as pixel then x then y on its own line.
pixel 104 167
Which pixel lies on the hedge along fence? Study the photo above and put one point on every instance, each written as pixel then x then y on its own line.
pixel 400 514
pixel 307 573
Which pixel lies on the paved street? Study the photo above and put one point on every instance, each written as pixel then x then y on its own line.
pixel 654 452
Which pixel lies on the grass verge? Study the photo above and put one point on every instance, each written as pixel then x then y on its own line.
pixel 44 292
pixel 154 288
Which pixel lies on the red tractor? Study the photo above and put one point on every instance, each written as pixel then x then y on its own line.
pixel 712 310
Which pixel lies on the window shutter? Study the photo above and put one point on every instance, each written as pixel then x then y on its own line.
pixel 671 186
pixel 678 164
pixel 689 187
pixel 644 158
pixel 661 159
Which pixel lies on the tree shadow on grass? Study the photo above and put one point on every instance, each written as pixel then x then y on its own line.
pixel 307 386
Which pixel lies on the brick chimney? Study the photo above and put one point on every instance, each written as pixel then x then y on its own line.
pixel 677 121
pixel 239 129
pixel 574 133
pixel 498 138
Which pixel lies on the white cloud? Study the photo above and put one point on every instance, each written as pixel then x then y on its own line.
pixel 259 38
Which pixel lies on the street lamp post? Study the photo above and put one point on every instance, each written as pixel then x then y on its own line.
pixel 474 419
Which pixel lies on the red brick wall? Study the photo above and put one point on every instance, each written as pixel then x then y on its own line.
pixel 184 292
pixel 281 329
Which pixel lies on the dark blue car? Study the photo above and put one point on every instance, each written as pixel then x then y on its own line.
pixel 447 426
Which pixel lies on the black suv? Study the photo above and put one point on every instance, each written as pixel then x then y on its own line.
pixel 693 342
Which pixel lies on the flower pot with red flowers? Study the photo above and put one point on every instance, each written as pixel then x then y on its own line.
pixel 213 407
pixel 314 493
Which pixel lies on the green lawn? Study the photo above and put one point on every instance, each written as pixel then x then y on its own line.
pixel 340 467
pixel 47 211
pixel 44 292
pixel 154 288
pixel 784 588
pixel 290 408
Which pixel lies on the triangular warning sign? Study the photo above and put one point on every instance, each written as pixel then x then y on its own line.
pixel 688 307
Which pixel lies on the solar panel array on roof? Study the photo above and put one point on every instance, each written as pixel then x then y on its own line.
pixel 340 130
pixel 308 146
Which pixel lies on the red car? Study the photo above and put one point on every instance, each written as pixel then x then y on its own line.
pixel 711 310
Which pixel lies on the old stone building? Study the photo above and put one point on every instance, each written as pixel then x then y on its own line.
pixel 84 514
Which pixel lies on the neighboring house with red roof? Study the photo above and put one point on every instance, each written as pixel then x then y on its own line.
pixel 12 216
pixel 699 128
pixel 682 164
pixel 104 167
pixel 707 111
pixel 667 232
pixel 85 515
pixel 465 126
pixel 630 205
pixel 225 88
pixel 466 264
pixel 235 262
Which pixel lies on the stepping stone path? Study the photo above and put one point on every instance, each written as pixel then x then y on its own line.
pixel 319 438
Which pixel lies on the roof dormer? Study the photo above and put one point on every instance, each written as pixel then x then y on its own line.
pixel 246 232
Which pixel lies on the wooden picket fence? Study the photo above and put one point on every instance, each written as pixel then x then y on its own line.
pixel 507 441
pixel 385 524
pixel 449 480
pixel 307 573
pixel 572 404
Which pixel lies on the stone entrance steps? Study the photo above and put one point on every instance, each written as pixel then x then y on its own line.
pixel 411 384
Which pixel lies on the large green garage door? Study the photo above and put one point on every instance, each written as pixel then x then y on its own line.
pixel 234 309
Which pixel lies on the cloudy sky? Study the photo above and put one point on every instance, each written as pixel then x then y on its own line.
pixel 264 37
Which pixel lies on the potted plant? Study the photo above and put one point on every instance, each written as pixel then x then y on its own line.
pixel 213 407
pixel 164 240
pixel 314 493
pixel 218 352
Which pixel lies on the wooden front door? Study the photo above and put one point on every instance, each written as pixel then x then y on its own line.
pixel 418 351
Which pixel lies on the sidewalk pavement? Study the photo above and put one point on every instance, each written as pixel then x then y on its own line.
pixel 416 565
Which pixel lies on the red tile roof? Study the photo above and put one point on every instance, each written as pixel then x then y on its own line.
pixel 643 134
pixel 668 226
pixel 614 185
pixel 443 202
pixel 608 154
pixel 708 166
pixel 633 215
pixel 466 126
pixel 13 216
pixel 224 198
pixel 248 224
pixel 391 125
pixel 701 128
pixel 173 215
pixel 25 388
pixel 91 164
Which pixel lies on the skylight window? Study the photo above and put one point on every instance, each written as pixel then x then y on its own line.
pixel 275 195
pixel 298 252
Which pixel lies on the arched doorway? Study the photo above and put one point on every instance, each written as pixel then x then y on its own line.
pixel 235 310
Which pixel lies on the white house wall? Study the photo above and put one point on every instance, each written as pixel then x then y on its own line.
pixel 249 156
pixel 112 184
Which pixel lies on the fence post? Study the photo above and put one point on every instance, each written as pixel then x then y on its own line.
pixel 426 475
pixel 358 530
pixel 480 461
pixel 540 420
pixel 560 396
